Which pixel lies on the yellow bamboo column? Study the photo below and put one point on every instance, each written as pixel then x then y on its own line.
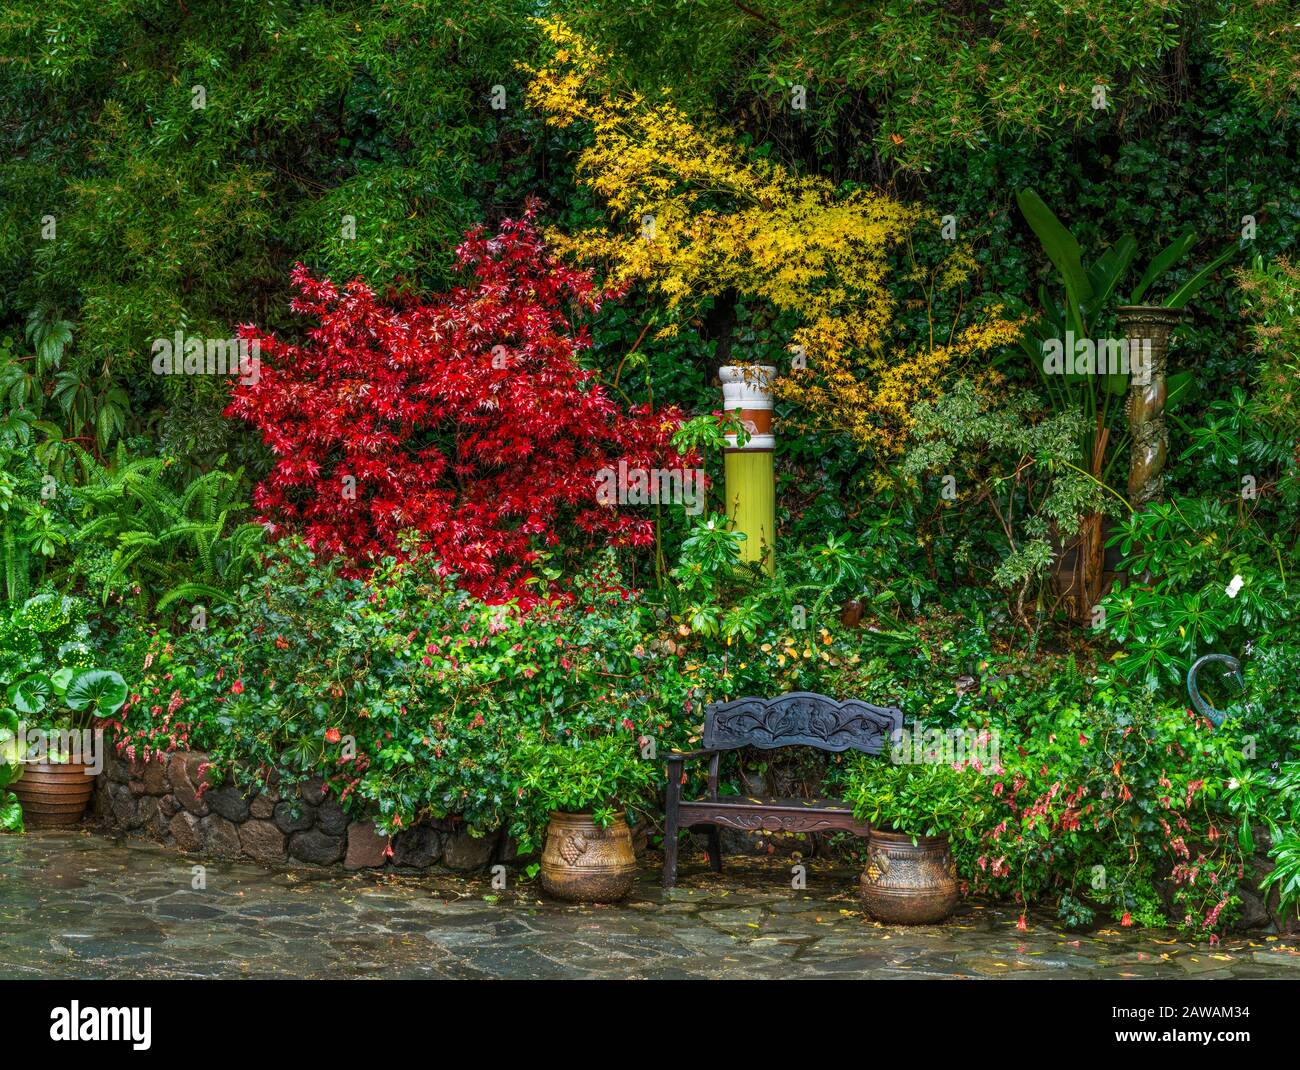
pixel 751 480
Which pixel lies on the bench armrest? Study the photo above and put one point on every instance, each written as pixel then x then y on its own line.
pixel 676 759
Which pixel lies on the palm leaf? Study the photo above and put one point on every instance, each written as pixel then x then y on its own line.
pixel 1062 249
pixel 1196 283
pixel 1104 275
pixel 1162 262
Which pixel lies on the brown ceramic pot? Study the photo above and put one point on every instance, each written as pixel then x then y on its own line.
pixel 584 863
pixel 53 795
pixel 906 883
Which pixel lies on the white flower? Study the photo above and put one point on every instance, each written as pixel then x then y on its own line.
pixel 1233 784
pixel 1235 585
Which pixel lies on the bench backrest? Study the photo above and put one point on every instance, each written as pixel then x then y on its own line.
pixel 800 718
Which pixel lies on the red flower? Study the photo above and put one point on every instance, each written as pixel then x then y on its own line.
pixel 237 688
pixel 1126 920
pixel 333 735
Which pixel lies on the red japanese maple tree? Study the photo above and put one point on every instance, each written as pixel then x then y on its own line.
pixel 466 418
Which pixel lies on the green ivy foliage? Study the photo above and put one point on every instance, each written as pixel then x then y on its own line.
pixel 170 162
pixel 897 84
pixel 166 215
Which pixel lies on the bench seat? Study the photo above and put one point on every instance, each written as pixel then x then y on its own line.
pixel 770 813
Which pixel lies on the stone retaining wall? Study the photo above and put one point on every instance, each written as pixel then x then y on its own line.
pixel 167 800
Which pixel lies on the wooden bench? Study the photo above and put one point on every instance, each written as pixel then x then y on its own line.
pixel 799 719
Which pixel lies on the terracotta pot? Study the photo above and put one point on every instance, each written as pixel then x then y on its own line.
pixel 584 863
pixel 906 883
pixel 53 796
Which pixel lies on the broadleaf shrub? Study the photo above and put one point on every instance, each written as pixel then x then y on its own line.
pixel 406 694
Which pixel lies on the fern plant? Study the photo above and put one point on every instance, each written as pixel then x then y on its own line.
pixel 119 526
pixel 1285 875
pixel 1281 815
pixel 165 545
pixel 35 531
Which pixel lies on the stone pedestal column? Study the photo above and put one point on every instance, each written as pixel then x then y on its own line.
pixel 750 478
pixel 1147 329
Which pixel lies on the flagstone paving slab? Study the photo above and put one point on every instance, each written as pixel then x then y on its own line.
pixel 78 904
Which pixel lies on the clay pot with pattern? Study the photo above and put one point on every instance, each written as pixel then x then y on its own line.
pixel 906 883
pixel 53 795
pixel 585 863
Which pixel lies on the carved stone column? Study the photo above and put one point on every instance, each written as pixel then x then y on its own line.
pixel 1147 329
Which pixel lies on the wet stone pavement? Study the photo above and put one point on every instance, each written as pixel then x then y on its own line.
pixel 77 904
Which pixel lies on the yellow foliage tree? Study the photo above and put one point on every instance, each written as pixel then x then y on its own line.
pixel 696 215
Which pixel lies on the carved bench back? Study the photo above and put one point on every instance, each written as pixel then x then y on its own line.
pixel 800 718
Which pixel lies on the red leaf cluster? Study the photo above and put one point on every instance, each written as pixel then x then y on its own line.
pixel 466 418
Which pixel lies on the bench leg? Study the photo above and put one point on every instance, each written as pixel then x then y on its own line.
pixel 672 797
pixel 715 849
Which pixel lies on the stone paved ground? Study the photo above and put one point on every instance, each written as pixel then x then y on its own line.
pixel 75 904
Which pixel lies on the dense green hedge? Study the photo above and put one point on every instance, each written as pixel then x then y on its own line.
pixel 170 216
